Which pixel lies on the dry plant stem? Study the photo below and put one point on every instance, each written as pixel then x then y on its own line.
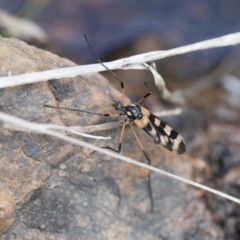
pixel 98 127
pixel 52 127
pixel 73 131
pixel 228 64
pixel 10 81
pixel 158 80
pixel 21 27
pixel 172 112
pixel 14 123
pixel 160 84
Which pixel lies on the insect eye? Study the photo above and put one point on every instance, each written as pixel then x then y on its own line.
pixel 117 105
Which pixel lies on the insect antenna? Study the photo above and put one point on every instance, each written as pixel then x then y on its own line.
pixel 78 110
pixel 100 60
pixel 74 109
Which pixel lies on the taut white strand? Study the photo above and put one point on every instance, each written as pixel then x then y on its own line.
pixel 15 123
pixel 10 81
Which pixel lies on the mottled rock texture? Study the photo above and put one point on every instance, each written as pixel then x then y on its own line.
pixel 50 189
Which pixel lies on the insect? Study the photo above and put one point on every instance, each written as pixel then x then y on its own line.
pixel 156 128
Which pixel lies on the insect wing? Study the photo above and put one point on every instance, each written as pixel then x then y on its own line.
pixel 163 134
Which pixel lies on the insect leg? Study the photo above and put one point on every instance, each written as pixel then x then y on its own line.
pixel 112 115
pixel 145 83
pixel 120 140
pixel 146 95
pixel 123 93
pixel 149 162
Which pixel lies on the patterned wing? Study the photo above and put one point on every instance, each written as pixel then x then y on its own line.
pixel 162 133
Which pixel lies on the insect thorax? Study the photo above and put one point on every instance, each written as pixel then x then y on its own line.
pixel 132 111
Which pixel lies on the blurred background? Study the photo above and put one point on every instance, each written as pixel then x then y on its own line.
pixel 209 79
pixel 124 28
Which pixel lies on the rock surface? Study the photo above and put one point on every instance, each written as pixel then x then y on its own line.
pixel 50 189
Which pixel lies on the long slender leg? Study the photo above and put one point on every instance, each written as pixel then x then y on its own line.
pixel 149 162
pixel 146 95
pixel 123 93
pixel 145 83
pixel 120 140
pixel 112 115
